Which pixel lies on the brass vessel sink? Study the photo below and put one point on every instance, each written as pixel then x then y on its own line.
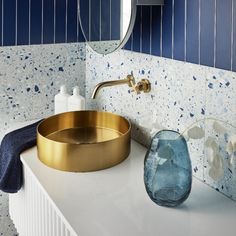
pixel 83 141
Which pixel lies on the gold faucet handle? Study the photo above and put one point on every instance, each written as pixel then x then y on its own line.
pixel 131 80
pixel 132 84
pixel 143 86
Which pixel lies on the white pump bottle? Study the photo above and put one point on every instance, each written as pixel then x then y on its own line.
pixel 76 102
pixel 61 101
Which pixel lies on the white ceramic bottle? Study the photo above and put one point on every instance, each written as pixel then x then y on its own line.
pixel 76 102
pixel 61 101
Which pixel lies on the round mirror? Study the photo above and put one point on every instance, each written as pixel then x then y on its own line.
pixel 107 24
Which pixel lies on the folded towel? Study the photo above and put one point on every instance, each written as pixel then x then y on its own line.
pixel 13 144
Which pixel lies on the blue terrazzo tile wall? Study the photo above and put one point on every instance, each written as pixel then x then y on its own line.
pixel 182 94
pixel 30 76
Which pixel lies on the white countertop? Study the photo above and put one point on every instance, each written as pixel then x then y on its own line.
pixel 114 202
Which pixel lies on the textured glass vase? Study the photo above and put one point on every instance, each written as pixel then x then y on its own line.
pixel 167 169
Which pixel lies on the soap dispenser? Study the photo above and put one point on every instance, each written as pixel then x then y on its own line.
pixel 76 102
pixel 61 101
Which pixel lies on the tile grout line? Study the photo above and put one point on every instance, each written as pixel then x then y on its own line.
pixel 77 23
pixel 232 35
pixel 199 33
pixel 100 20
pixel 161 33
pixel 66 22
pixel 150 42
pixel 89 36
pixel 16 27
pixel 215 32
pixel 29 22
pixel 42 26
pixel 173 27
pixel 54 23
pixel 185 31
pixel 2 21
pixel 110 19
pixel 141 30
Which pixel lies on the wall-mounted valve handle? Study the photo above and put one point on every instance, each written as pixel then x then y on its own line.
pixel 143 86
pixel 132 84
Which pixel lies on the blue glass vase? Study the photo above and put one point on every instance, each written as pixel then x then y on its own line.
pixel 167 169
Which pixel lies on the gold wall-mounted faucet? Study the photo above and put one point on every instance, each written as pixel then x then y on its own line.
pixel 143 86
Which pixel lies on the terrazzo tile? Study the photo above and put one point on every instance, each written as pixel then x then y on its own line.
pixel 220 95
pixel 172 103
pixel 33 77
pixel 220 165
pixel 6 225
pixel 182 95
pixel 30 77
pixel 221 104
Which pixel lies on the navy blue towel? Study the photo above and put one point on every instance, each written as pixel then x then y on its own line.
pixel 13 144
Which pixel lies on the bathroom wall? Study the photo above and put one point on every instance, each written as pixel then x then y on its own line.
pixel 101 19
pixel 197 31
pixel 30 76
pixel 182 93
pixel 27 22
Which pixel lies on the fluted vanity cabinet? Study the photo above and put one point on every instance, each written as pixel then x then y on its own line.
pixel 111 202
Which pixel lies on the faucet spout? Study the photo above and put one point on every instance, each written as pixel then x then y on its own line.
pixel 128 80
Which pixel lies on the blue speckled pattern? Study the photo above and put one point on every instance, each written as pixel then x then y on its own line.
pixel 182 93
pixel 30 76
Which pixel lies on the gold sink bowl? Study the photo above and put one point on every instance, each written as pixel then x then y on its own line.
pixel 83 141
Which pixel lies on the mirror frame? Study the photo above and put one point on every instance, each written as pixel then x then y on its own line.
pixel 128 33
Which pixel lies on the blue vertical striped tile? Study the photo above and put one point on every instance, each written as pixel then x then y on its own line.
pixel 146 36
pixel 207 24
pixel 179 30
pixel 1 22
pixel 22 22
pixel 9 23
pixel 72 21
pixel 192 31
pixel 223 34
pixel 105 16
pixel 156 31
pixel 115 19
pixel 80 34
pixel 48 21
pixel 234 37
pixel 128 44
pixel 95 20
pixel 146 32
pixel 167 29
pixel 60 34
pixel 137 31
pixel 36 22
pixel 85 21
